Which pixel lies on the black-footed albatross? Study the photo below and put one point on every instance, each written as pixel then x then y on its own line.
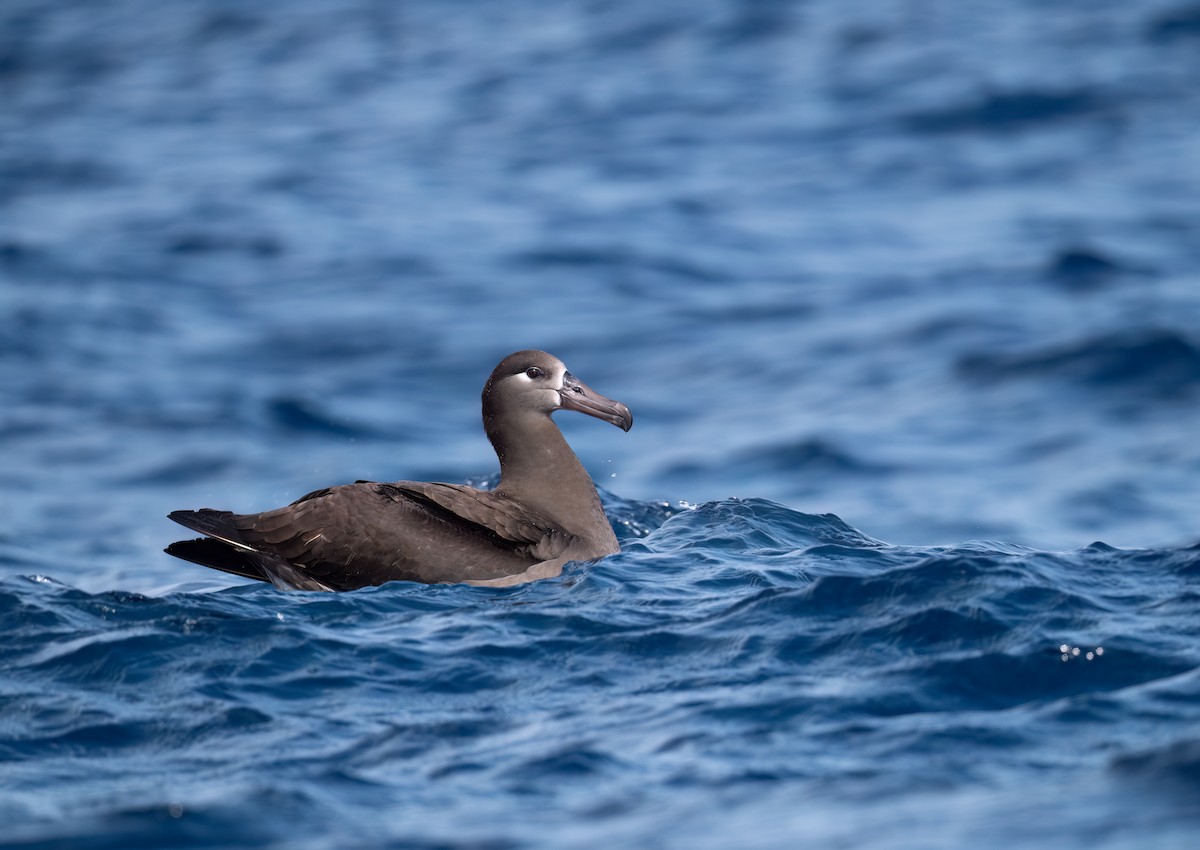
pixel 544 512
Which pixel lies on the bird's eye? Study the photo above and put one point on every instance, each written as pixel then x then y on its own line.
pixel 534 372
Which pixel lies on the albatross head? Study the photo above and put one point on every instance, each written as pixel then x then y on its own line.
pixel 537 382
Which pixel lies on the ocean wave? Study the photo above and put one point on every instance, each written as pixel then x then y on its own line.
pixel 721 629
pixel 1164 363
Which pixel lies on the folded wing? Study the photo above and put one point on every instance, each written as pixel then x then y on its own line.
pixel 371 533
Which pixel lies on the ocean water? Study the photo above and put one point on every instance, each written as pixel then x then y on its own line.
pixel 903 297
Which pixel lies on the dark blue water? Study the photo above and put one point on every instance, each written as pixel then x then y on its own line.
pixel 922 273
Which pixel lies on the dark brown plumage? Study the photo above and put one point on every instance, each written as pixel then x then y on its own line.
pixel 544 512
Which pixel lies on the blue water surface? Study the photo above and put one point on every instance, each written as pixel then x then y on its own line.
pixel 904 299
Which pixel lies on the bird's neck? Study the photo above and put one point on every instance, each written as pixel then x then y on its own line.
pixel 539 469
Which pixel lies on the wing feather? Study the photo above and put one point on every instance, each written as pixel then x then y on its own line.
pixel 368 533
pixel 494 512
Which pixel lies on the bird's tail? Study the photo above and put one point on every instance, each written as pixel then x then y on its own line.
pixel 218 555
pixel 225 549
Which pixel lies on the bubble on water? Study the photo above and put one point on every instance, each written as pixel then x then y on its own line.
pixel 1068 652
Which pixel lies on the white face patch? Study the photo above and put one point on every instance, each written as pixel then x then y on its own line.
pixel 553 382
pixel 556 381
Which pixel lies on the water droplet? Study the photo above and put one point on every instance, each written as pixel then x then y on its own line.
pixel 1099 650
pixel 1064 648
pixel 175 809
